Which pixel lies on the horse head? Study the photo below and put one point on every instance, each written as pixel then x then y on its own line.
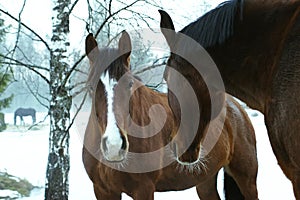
pixel 185 79
pixel 110 65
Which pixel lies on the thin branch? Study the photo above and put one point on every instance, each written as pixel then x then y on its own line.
pixel 143 17
pixel 109 7
pixel 72 7
pixel 28 28
pixel 149 68
pixel 73 68
pixel 30 127
pixel 112 39
pixel 24 64
pixel 90 10
pixel 75 94
pixel 155 87
pixel 112 15
pixel 97 33
pixel 73 119
pixel 30 67
pixel 19 29
pixel 35 95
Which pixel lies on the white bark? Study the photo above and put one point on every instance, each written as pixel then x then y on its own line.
pixel 57 184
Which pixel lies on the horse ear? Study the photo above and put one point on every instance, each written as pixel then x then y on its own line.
pixel 125 47
pixel 91 47
pixel 166 20
pixel 167 28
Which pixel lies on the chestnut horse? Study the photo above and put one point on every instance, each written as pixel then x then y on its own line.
pixel 256 46
pixel 123 123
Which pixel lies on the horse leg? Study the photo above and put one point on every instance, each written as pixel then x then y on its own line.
pixel 243 169
pixel 33 119
pixel 246 183
pixel 144 192
pixel 207 190
pixel 287 155
pixel 283 130
pixel 22 121
pixel 296 184
pixel 101 195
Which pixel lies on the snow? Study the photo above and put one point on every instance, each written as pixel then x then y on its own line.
pixel 9 193
pixel 24 154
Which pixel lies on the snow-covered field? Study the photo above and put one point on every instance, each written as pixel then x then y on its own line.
pixel 24 154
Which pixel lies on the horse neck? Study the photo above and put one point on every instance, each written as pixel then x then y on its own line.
pixel 248 61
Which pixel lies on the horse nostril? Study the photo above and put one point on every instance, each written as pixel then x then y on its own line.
pixel 104 145
pixel 124 143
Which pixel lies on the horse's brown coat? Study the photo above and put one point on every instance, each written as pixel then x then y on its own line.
pixel 260 64
pixel 235 149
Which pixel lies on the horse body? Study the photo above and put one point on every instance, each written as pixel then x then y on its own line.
pixel 235 151
pixel 257 46
pixel 266 75
pixel 259 63
pixel 133 100
pixel 23 112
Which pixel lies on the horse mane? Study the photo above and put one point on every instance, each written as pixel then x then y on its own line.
pixel 215 26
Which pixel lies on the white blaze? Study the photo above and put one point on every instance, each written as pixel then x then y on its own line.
pixel 112 134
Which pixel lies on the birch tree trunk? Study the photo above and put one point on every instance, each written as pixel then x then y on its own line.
pixel 57 184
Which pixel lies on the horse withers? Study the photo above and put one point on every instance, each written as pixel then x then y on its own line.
pixel 129 121
pixel 23 112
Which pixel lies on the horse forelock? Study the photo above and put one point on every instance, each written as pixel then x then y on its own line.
pixel 216 26
pixel 114 64
pixel 108 61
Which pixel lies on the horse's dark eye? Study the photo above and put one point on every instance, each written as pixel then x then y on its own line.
pixel 131 83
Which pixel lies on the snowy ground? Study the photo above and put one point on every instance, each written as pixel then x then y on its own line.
pixel 24 154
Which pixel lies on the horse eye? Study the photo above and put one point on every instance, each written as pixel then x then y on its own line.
pixel 131 83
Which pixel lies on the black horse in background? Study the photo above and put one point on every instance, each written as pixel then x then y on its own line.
pixel 23 112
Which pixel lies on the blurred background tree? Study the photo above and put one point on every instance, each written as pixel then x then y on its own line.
pixel 5 80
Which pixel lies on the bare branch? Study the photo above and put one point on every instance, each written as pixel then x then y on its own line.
pixel 73 119
pixel 113 38
pixel 77 85
pixel 28 28
pixel 30 127
pixel 19 29
pixel 112 15
pixel 73 68
pixel 97 33
pixel 73 6
pixel 156 86
pixel 153 66
pixel 36 94
pixel 109 7
pixel 75 94
pixel 30 67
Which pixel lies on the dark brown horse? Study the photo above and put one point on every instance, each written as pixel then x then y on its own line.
pixel 126 145
pixel 23 112
pixel 256 46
